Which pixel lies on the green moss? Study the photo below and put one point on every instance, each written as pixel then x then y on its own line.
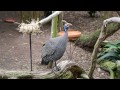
pixel 112 75
pixel 67 75
pixel 106 65
pixel 117 74
pixel 77 71
pixel 3 77
pixel 109 66
pixel 24 77
pixel 74 72
pixel 90 40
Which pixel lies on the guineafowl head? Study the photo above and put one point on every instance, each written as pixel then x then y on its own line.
pixel 66 26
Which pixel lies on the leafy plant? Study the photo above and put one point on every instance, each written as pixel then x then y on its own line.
pixel 111 51
pixel 109 58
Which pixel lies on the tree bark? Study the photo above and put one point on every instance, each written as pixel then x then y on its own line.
pixel 95 51
pixel 69 70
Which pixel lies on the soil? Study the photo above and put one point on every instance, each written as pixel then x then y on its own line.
pixel 14 46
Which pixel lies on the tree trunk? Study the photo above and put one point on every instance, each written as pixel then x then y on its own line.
pixel 95 51
pixel 90 40
pixel 69 70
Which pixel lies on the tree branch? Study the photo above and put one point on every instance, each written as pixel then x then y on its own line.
pixel 47 19
pixel 109 20
pixel 118 13
pixel 99 41
pixel 50 17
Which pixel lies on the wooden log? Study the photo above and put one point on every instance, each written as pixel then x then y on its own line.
pixel 69 70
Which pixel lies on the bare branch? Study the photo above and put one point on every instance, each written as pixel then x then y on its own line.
pixel 109 20
pixel 47 19
pixel 118 13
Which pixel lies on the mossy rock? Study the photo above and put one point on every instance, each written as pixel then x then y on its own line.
pixel 117 74
pixel 118 65
pixel 106 65
pixel 67 75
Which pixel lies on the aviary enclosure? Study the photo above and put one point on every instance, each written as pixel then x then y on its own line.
pixel 93 54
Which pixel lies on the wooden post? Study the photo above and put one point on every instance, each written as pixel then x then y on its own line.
pixel 30 51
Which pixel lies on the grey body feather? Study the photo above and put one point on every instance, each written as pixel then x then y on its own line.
pixel 54 49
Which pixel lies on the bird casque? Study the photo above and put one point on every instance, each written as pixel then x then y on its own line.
pixel 54 48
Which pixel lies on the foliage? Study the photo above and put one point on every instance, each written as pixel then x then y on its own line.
pixel 108 64
pixel 109 58
pixel 88 41
pixel 118 65
pixel 111 51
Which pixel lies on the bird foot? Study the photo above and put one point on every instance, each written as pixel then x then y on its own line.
pixel 56 68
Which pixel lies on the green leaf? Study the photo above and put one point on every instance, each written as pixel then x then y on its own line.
pixel 111 48
pixel 111 51
pixel 109 45
pixel 110 56
pixel 109 66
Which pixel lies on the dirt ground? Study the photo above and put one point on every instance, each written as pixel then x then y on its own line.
pixel 14 47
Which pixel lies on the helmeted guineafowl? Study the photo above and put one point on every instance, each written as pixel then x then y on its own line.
pixel 54 48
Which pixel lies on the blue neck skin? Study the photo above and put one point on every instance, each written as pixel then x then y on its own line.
pixel 66 32
pixel 65 29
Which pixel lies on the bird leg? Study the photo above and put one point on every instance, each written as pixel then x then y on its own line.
pixel 55 67
pixel 50 64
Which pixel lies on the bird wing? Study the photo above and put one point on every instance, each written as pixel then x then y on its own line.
pixel 49 48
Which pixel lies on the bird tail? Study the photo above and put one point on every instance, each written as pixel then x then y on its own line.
pixel 43 62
